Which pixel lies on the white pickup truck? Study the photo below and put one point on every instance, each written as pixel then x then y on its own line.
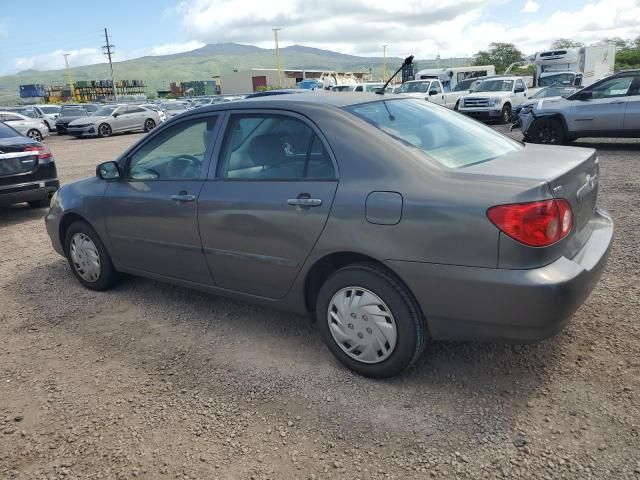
pixel 495 98
pixel 432 91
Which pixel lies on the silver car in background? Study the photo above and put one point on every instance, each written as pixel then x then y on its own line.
pixel 156 108
pixel 172 109
pixel 114 119
pixel 33 128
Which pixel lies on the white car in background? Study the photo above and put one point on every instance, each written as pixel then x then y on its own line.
pixel 156 108
pixel 34 128
pixel 48 114
pixel 171 109
pixel 369 87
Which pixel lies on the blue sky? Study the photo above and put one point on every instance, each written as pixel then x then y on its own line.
pixel 422 27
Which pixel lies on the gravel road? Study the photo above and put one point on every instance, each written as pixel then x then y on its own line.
pixel 154 381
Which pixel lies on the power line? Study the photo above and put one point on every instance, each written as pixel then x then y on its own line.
pixel 109 49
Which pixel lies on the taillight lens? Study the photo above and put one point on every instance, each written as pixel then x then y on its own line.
pixel 537 224
pixel 43 154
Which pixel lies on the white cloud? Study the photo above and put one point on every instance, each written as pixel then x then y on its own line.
pixel 530 7
pixel 4 27
pixel 171 48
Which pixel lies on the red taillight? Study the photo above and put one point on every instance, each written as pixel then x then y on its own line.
pixel 536 224
pixel 43 153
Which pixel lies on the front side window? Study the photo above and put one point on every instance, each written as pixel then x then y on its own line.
pixel 104 111
pixel 177 153
pixel 450 139
pixel 135 110
pixel 615 87
pixel 520 84
pixel 273 147
pixel 435 87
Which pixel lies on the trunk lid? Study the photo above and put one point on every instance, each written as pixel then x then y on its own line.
pixel 13 159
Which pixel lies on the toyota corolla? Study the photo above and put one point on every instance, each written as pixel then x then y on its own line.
pixel 390 220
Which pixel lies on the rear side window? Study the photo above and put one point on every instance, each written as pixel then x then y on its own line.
pixel 273 147
pixel 450 139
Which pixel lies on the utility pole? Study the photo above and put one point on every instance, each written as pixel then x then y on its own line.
pixel 69 77
pixel 384 63
pixel 108 49
pixel 275 33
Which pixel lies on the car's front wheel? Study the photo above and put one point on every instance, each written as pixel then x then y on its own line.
pixel 88 258
pixel 35 134
pixel 149 125
pixel 370 321
pixel 505 114
pixel 547 130
pixel 104 130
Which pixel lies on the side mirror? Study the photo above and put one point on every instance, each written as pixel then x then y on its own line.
pixel 108 171
pixel 519 90
pixel 584 95
pixel 115 114
pixel 432 92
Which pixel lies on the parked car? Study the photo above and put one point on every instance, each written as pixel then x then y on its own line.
pixel 556 91
pixel 27 170
pixel 390 220
pixel 156 108
pixel 47 113
pixel 33 128
pixel 281 91
pixel 431 90
pixel 172 109
pixel 68 114
pixel 114 119
pixel 608 108
pixel 468 84
pixel 368 87
pixel 494 98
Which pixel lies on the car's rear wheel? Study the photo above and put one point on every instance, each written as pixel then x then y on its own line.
pixel 370 321
pixel 88 258
pixel 547 130
pixel 42 203
pixel 104 130
pixel 35 134
pixel 505 114
pixel 149 125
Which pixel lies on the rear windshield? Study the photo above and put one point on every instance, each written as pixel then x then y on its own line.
pixel 450 139
pixel 6 132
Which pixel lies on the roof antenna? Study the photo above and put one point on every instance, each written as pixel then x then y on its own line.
pixel 407 61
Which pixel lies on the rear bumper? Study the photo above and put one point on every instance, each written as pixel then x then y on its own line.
pixel 467 303
pixel 28 191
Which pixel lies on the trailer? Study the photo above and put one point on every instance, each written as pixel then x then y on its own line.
pixel 573 66
pixel 449 77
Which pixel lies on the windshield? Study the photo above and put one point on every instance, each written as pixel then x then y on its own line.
pixel 559 79
pixel 50 109
pixel 495 86
pixel 450 139
pixel 72 112
pixel 413 87
pixel 554 92
pixel 174 106
pixel 104 111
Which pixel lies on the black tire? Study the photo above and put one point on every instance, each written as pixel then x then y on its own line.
pixel 411 327
pixel 108 275
pixel 505 114
pixel 42 203
pixel 104 130
pixel 457 106
pixel 149 125
pixel 35 134
pixel 548 131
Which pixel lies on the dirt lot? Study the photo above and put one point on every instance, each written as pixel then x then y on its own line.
pixel 153 381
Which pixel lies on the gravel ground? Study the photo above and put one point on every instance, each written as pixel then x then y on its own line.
pixel 154 381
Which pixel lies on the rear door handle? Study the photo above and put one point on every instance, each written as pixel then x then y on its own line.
pixel 183 197
pixel 305 202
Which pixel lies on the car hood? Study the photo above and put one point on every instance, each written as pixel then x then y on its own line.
pixel 489 94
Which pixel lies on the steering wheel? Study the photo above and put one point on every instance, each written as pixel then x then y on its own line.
pixel 184 166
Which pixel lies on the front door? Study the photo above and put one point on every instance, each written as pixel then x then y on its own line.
pixel 267 205
pixel 605 110
pixel 438 97
pixel 151 213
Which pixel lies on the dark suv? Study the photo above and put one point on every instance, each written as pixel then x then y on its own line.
pixel 69 113
pixel 27 170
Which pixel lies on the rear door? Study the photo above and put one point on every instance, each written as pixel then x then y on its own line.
pixel 151 212
pixel 138 116
pixel 632 112
pixel 606 110
pixel 265 205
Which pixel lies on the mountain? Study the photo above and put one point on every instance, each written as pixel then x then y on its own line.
pixel 204 62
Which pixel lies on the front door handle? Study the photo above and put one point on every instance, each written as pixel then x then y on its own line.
pixel 304 202
pixel 183 197
pixel 618 102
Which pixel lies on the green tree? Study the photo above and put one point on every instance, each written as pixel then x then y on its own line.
pixel 501 55
pixel 620 43
pixel 565 43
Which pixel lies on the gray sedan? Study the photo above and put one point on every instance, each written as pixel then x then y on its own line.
pixel 113 119
pixel 389 220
